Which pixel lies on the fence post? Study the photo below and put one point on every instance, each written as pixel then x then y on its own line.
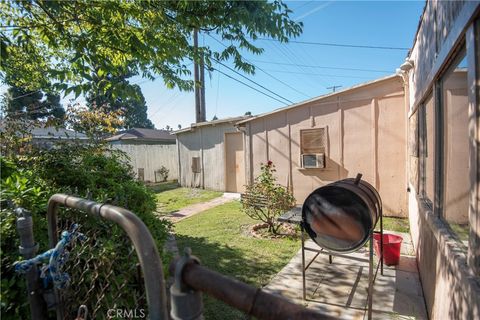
pixel 28 249
pixel 186 302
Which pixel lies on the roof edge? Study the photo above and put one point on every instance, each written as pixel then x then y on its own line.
pixel 211 123
pixel 328 95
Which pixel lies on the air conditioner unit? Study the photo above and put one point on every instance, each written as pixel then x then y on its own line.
pixel 313 160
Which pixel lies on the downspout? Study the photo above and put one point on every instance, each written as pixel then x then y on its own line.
pixel 201 154
pixel 404 72
pixel 179 162
pixel 250 148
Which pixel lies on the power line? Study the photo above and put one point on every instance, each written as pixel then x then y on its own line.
pixel 318 74
pixel 243 76
pixel 330 44
pixel 291 56
pixel 268 74
pixel 323 67
pixel 253 88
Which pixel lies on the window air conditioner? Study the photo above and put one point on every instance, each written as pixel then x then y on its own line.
pixel 313 160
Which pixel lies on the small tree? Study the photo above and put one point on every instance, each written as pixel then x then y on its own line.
pixel 265 199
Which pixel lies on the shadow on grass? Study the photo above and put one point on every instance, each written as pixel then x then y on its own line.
pixel 232 262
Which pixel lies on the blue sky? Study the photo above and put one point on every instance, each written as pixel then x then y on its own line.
pixel 386 23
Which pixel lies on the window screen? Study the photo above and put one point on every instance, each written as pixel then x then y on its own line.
pixel 313 140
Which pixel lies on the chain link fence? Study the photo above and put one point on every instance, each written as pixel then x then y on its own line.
pixel 104 270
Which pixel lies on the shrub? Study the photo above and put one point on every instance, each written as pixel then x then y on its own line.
pixel 80 169
pixel 163 172
pixel 274 198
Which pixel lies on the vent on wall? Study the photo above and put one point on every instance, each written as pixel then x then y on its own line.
pixel 196 168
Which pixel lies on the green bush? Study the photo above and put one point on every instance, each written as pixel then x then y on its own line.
pixel 274 198
pixel 28 181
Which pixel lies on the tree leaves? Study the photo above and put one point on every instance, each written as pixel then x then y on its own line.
pixel 66 42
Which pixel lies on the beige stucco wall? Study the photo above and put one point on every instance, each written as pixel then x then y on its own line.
pixel 365 134
pixel 151 158
pixel 450 287
pixel 206 142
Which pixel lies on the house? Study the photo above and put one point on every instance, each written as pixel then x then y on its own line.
pixel 47 137
pixel 361 129
pixel 211 155
pixel 312 143
pixel 442 79
pixel 148 150
pixel 142 136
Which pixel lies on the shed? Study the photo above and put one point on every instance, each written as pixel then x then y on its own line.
pixel 211 155
pixel 361 129
pixel 149 150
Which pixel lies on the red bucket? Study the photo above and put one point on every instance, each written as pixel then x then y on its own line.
pixel 391 247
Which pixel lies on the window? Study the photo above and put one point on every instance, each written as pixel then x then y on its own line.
pixel 312 141
pixel 427 150
pixel 455 136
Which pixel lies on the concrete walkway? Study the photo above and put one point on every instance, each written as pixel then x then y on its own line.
pixel 340 289
pixel 200 207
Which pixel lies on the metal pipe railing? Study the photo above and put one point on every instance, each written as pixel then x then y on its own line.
pixel 253 301
pixel 137 232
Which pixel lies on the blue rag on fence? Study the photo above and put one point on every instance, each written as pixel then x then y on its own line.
pixel 56 258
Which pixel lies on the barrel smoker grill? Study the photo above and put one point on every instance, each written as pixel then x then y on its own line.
pixel 340 218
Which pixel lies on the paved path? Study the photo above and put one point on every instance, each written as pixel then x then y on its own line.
pixel 340 289
pixel 200 207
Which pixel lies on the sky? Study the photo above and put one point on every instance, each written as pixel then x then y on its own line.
pixel 297 71
pixel 294 72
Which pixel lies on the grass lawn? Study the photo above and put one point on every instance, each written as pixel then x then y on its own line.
pixel 217 237
pixel 171 197
pixel 395 224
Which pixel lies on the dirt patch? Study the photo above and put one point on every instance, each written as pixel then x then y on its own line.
pixel 260 231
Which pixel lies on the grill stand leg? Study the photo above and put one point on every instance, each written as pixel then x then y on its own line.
pixel 370 277
pixel 381 241
pixel 304 281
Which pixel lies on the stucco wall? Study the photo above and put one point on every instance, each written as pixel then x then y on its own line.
pixel 206 142
pixel 151 158
pixel 365 134
pixel 450 286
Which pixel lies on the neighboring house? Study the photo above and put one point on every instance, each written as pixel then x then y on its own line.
pixel 149 150
pixel 361 129
pixel 312 143
pixel 142 136
pixel 442 79
pixel 47 137
pixel 204 160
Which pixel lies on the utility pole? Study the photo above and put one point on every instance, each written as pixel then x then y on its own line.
pixel 202 90
pixel 196 78
pixel 333 88
pixel 199 77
